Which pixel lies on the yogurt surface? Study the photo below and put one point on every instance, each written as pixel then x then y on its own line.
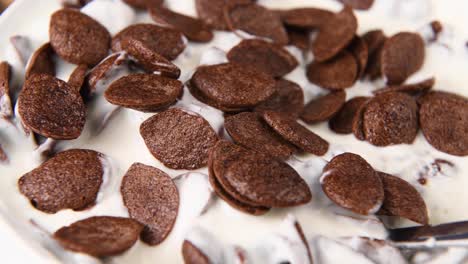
pixel 117 136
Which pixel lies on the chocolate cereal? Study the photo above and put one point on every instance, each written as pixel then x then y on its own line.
pixel 78 38
pixel 295 133
pixel 41 61
pixel 349 181
pixel 179 139
pixel 391 118
pixel 264 56
pixel 152 199
pixel 51 108
pixel 443 118
pixel 335 35
pixel 251 131
pixel 69 180
pixel 336 74
pixel 99 236
pixel 323 107
pixel 144 92
pixel 165 41
pixel 402 55
pixel 402 199
pixel 343 121
pixel 256 20
pixel 289 99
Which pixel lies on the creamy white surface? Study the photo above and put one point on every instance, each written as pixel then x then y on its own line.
pixel 120 141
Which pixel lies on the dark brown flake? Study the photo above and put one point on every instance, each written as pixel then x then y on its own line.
pixel 359 50
pixel 418 88
pixel 51 108
pixel 251 131
pixel 402 199
pixel 165 41
pixel 69 180
pixel 324 107
pixel 150 61
pixel 191 254
pixel 264 56
pixel 265 181
pixel 308 18
pixel 212 11
pixel 443 118
pixel 5 75
pixel 336 74
pixel 102 71
pixel 232 85
pixel 204 99
pixel 100 236
pixel 402 55
pixel 295 133
pixel 193 28
pixel 343 121
pixel 390 118
pixel 350 182
pixel 142 4
pixel 78 76
pixel 152 199
pixel 221 155
pixel 78 38
pixel 335 35
pixel 257 20
pixel 299 38
pixel 144 92
pixel 179 139
pixel 288 99
pixel 41 61
pixel 375 40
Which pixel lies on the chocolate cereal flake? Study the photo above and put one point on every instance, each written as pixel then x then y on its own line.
pixel 102 70
pixel 289 99
pixel 193 28
pixel 335 35
pixel 212 11
pixel 142 4
pixel 251 131
pixel 78 76
pixel 391 118
pixel 41 61
pixel 266 181
pixel 343 121
pixel 78 38
pixel 308 18
pixel 295 133
pixel 165 41
pixel 144 92
pixel 324 107
pixel 232 85
pixel 402 55
pixel 221 155
pixel 178 138
pixel 264 56
pixel 375 40
pixel 418 88
pixel 51 108
pixel 152 199
pixel 150 61
pixel 402 199
pixel 5 75
pixel 359 50
pixel 257 20
pixel 443 118
pixel 350 182
pixel 100 236
pixel 193 255
pixel 336 74
pixel 69 180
